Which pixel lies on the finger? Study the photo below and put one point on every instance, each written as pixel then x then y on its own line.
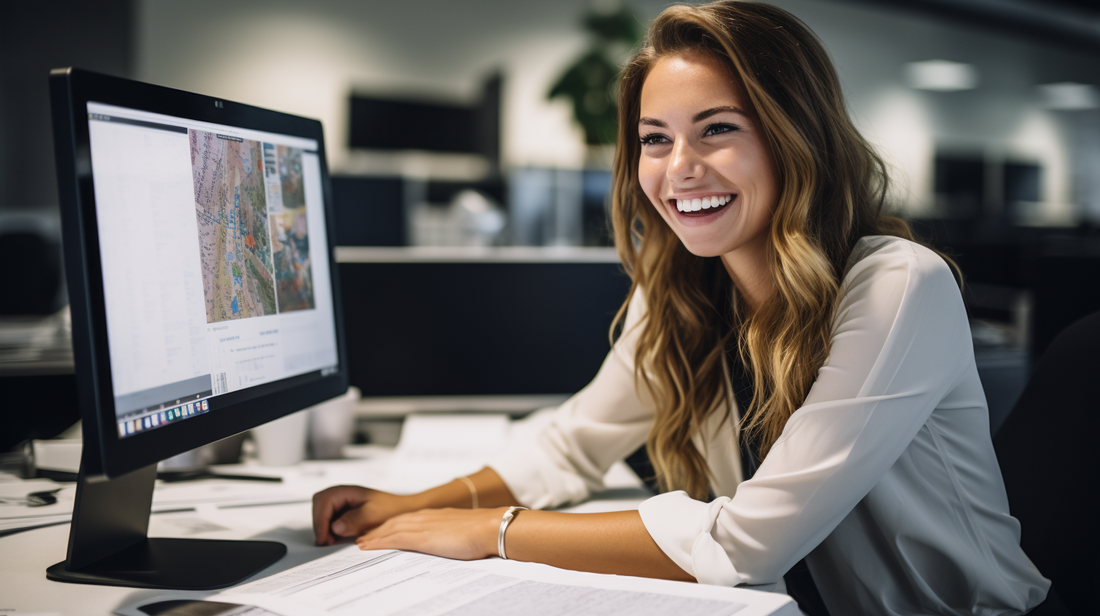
pixel 322 512
pixel 325 504
pixel 330 503
pixel 352 523
pixel 405 540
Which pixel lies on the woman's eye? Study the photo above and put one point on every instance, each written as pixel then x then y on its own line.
pixel 653 139
pixel 718 129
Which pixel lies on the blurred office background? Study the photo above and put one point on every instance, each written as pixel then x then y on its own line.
pixel 441 132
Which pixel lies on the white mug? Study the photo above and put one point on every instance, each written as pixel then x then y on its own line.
pixel 331 424
pixel 282 442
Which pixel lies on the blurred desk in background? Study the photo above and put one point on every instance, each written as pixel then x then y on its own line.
pixel 37 383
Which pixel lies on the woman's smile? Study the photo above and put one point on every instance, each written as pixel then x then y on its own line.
pixel 701 210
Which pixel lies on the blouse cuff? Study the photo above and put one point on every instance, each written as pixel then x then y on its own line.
pixel 530 476
pixel 668 518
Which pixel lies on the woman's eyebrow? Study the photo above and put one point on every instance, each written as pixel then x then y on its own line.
pixel 706 113
pixel 699 117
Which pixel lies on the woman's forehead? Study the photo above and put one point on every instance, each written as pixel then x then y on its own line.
pixel 681 82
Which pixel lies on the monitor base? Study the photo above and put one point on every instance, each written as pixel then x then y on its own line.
pixel 178 564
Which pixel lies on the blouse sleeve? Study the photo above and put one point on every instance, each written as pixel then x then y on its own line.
pixel 600 425
pixel 900 343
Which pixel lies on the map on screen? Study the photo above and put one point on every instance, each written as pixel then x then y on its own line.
pixel 253 237
pixel 289 233
pixel 234 237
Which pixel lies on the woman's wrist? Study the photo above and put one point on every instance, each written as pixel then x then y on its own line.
pixel 490 539
pixel 452 494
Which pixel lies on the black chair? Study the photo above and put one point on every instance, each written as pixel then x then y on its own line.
pixel 1065 288
pixel 1047 456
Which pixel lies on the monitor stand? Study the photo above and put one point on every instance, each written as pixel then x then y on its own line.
pixel 109 543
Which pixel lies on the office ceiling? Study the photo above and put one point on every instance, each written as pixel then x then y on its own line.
pixel 1067 23
pixel 1087 6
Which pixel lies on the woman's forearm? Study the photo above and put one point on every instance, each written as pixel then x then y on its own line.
pixel 491 492
pixel 614 542
pixel 443 523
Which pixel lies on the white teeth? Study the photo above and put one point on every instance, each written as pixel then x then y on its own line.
pixel 702 203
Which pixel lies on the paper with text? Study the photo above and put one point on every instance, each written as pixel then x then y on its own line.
pixel 394 583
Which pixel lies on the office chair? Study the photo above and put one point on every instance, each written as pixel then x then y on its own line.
pixel 1047 456
pixel 1065 286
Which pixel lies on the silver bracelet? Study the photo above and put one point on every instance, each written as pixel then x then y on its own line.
pixel 508 517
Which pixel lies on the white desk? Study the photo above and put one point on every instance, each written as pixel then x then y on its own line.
pixel 24 556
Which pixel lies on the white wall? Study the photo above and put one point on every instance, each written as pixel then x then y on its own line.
pixel 307 58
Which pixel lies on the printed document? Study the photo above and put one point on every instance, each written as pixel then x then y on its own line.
pixel 395 583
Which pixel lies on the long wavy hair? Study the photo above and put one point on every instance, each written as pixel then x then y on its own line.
pixel 831 190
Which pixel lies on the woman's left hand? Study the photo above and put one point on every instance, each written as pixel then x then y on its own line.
pixel 461 534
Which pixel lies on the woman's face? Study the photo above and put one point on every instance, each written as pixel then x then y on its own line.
pixel 703 162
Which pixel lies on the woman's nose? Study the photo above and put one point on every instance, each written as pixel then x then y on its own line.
pixel 685 163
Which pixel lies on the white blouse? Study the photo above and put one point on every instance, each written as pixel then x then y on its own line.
pixel 885 480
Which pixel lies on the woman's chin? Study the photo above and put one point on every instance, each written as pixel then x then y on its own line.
pixel 700 245
pixel 702 250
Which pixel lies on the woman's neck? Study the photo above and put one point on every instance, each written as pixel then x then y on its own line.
pixel 749 271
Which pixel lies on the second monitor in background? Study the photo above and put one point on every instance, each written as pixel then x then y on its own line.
pixel 460 329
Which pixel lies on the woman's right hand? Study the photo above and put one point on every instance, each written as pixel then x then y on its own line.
pixel 349 511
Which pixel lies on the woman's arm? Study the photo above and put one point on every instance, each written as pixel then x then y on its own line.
pixel 615 542
pixel 439 521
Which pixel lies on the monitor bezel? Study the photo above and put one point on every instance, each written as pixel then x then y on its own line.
pixel 105 452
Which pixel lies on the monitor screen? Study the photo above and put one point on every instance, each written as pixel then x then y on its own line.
pixel 215 267
pixel 204 302
pixel 208 301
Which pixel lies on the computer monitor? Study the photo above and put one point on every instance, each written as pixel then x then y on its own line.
pixel 204 302
pixel 485 329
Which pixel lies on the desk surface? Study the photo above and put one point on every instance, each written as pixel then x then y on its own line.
pixel 25 590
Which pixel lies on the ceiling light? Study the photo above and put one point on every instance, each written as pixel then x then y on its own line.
pixel 941 75
pixel 1068 96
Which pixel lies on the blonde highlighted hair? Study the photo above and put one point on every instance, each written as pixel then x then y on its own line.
pixel 831 189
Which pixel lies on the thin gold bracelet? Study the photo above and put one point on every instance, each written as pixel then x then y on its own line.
pixel 473 490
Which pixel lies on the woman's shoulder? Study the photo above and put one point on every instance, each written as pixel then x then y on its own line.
pixel 879 261
pixel 891 247
pixel 878 252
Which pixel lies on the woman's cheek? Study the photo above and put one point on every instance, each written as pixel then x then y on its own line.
pixel 649 179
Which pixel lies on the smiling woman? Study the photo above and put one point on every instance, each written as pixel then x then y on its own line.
pixel 800 370
pixel 704 163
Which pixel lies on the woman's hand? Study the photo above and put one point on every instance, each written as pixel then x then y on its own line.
pixel 462 534
pixel 349 511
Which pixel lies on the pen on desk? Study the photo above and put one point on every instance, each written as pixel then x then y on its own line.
pixel 202 473
pixel 34 499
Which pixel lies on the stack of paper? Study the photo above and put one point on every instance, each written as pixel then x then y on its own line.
pixel 392 583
